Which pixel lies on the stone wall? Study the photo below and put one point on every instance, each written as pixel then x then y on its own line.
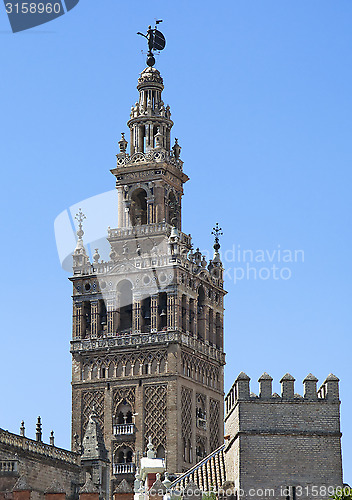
pixel 274 442
pixel 39 463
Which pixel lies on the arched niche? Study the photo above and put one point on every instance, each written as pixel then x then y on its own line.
pixel 124 306
pixel 138 210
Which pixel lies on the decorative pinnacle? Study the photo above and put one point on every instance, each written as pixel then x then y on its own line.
pixel 80 218
pixel 217 231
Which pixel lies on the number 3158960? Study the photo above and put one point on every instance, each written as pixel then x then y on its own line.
pixel 33 8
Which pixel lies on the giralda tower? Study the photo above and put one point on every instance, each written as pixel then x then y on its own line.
pixel 147 346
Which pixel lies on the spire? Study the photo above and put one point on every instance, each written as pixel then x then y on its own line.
pixel 80 257
pixel 93 441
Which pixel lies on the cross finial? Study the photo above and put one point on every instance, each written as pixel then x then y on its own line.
pixel 80 218
pixel 217 231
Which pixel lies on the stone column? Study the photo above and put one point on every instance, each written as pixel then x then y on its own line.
pixel 171 301
pixel 131 141
pixel 110 317
pixel 150 218
pixel 94 318
pixel 120 207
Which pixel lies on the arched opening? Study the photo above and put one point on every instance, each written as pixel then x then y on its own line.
pixel 123 414
pixel 102 316
pixel 173 211
pixel 86 319
pixel 124 312
pixel 162 311
pixel 146 315
pixel 124 455
pixel 138 208
pixel 201 420
pixel 201 313
pixel 160 452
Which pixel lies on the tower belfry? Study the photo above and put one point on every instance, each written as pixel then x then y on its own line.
pixel 147 341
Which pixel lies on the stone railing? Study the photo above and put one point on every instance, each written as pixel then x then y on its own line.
pixel 145 339
pixel 147 230
pixel 123 429
pixel 123 468
pixel 152 156
pixel 8 466
pixel 25 444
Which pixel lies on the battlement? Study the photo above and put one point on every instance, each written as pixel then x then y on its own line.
pixel 240 390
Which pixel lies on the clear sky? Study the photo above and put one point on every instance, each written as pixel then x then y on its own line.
pixel 260 93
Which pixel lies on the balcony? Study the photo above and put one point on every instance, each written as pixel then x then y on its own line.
pixel 8 467
pixel 124 468
pixel 123 429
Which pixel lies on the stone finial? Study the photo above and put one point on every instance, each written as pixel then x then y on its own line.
pixel 265 386
pixel 52 438
pixel 38 433
pixel 55 487
pixel 137 481
pixel 89 486
pixel 217 232
pixel 96 256
pixel 192 491
pixel 167 483
pixel 123 488
pixel 331 384
pixel 310 387
pixel 80 257
pixel 242 386
pixel 176 148
pixel 22 429
pixel 123 143
pixel 157 489
pixel 287 386
pixel 151 452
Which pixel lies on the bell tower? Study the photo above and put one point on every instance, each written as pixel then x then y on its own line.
pixel 147 344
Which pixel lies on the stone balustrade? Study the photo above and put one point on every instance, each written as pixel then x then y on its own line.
pixel 123 429
pixel 123 468
pixel 26 444
pixel 135 339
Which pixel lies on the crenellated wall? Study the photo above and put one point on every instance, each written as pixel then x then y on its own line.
pixel 288 440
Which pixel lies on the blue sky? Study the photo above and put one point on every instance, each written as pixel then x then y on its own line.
pixel 260 95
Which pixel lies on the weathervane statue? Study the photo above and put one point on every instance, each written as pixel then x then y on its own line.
pixel 156 41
